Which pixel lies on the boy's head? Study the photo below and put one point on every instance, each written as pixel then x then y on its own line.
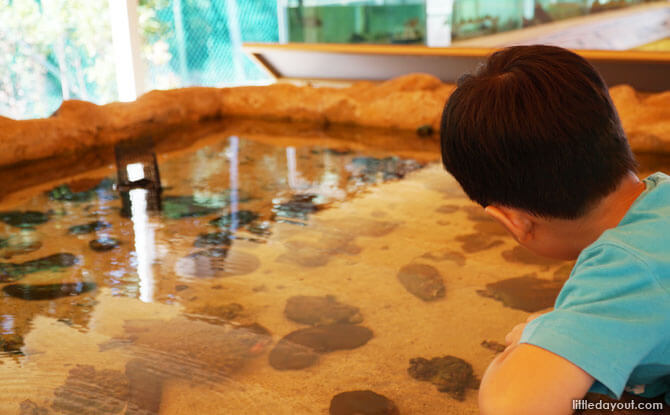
pixel 534 129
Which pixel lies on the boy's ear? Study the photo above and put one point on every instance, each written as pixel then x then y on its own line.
pixel 517 222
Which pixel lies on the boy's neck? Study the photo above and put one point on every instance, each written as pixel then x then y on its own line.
pixel 605 215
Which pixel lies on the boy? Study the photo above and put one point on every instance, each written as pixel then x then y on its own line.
pixel 534 138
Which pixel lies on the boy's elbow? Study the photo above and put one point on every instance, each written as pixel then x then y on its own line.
pixel 496 403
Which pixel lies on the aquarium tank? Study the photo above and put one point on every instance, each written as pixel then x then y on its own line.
pixel 429 22
pixel 328 21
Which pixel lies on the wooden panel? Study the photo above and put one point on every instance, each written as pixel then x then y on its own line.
pixel 646 71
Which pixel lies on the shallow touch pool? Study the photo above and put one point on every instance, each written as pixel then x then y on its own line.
pixel 275 278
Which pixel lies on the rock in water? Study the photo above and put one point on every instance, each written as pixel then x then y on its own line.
pixel 179 207
pixel 300 206
pixel 299 349
pixel 425 130
pixel 10 272
pixel 88 227
pixel 527 293
pixel 244 217
pixel 287 355
pixel 368 170
pixel 362 403
pixel 424 281
pixel 331 337
pixel 48 291
pixel 104 244
pixel 11 343
pixel 525 256
pixel 314 310
pixel 477 242
pixel 215 238
pixel 450 374
pixel 82 190
pixel 25 220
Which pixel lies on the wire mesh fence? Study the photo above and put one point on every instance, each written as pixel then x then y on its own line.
pixel 51 50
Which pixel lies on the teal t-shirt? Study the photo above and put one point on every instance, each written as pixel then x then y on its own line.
pixel 612 316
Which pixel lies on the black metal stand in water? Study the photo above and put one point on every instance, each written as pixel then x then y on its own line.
pixel 137 168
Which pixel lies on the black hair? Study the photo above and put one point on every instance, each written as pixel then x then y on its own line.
pixel 534 128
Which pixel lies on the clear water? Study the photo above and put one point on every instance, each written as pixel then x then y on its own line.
pixel 185 311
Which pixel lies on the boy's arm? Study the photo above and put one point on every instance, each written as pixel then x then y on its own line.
pixel 529 380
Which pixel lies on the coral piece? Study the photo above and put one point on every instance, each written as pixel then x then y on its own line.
pixel 449 374
pixel 424 281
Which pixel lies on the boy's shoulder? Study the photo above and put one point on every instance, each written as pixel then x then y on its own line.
pixel 612 317
pixel 641 237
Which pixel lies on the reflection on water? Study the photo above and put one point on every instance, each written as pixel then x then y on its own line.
pixel 256 268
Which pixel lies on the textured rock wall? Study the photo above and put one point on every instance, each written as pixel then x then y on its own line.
pixel 404 103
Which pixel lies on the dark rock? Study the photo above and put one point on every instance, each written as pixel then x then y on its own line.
pixel 477 242
pixel 331 337
pixel 48 291
pixel 425 130
pixel 218 262
pixel 179 207
pixel 364 402
pixel 287 355
pixel 83 190
pixel 11 343
pixel 88 391
pixel 527 293
pixel 525 256
pixel 88 227
pixel 449 374
pixel 477 214
pixel 338 151
pixel 491 228
pixel 24 219
pixel 260 228
pixel 300 349
pixel 494 346
pixel 424 281
pixel 300 206
pixel 440 256
pixel 104 244
pixel 63 193
pixel 374 170
pixel 316 311
pixel 10 272
pixel 244 217
pixel 215 238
